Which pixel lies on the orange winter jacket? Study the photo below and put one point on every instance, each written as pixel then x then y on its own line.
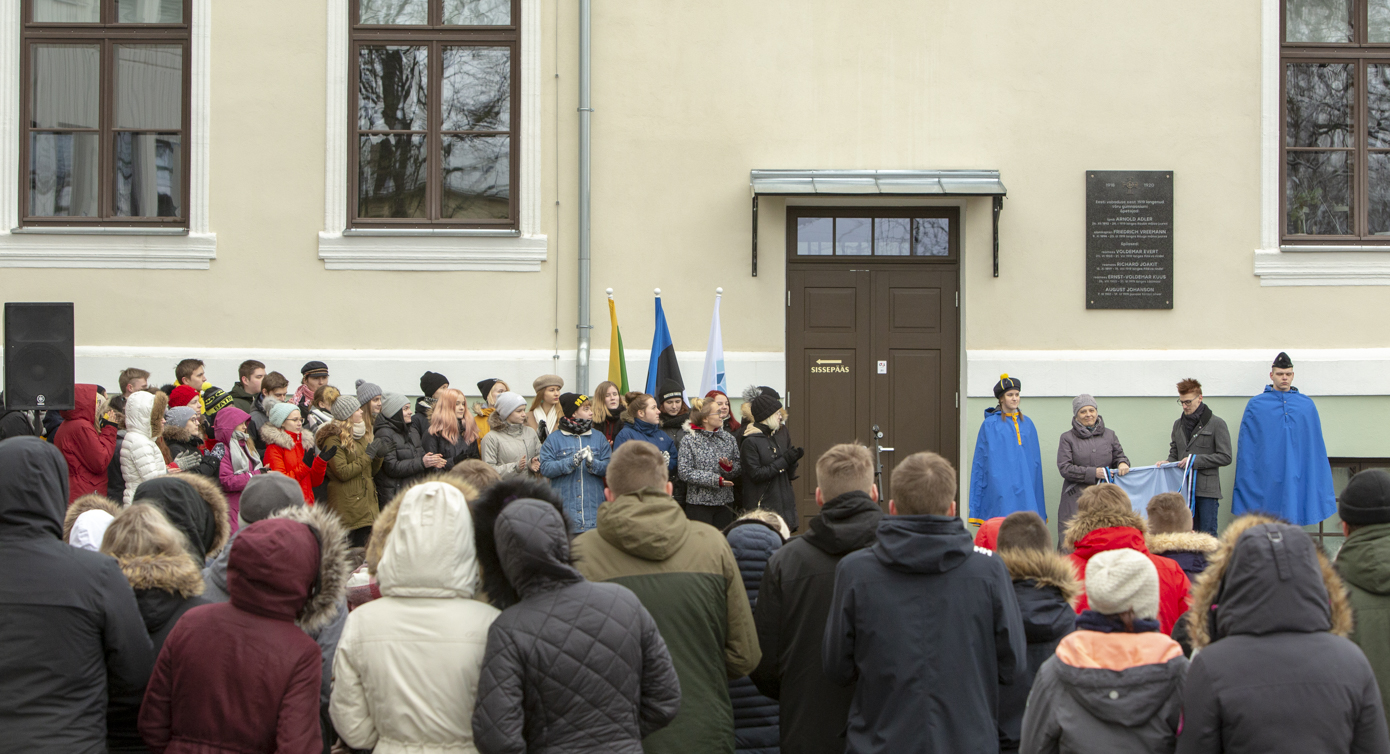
pixel 284 452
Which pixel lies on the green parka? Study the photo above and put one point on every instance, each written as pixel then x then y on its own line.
pixel 1364 562
pixel 351 491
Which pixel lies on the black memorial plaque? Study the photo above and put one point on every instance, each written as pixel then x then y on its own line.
pixel 1129 239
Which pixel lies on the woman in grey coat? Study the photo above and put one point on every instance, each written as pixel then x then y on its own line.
pixel 1083 454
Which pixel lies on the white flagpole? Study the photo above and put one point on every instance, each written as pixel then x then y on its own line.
pixel 712 378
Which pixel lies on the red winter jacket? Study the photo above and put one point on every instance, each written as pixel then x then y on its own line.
pixel 87 451
pixel 1174 590
pixel 240 676
pixel 284 452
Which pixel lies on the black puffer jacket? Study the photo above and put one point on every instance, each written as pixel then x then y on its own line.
pixel 769 466
pixel 15 423
pixel 793 602
pixel 403 466
pixel 498 590
pixel 71 631
pixel 674 427
pixel 1045 585
pixel 1274 671
pixel 576 667
pixel 756 729
pixel 454 452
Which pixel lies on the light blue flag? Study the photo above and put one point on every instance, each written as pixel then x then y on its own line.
pixel 713 377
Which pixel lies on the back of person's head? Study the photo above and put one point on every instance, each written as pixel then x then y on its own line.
pixel 1104 497
pixel 274 381
pixel 923 484
pixel 847 467
pixel 142 530
pixel 635 402
pixel 325 396
pixel 267 494
pixel 272 568
pixel 636 465
pixel 1169 514
pixel 1122 582
pixel 1024 530
pixel 770 518
pixel 476 473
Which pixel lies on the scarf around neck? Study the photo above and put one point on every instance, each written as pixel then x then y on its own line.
pixel 244 456
pixel 1090 620
pixel 1190 422
pixel 576 426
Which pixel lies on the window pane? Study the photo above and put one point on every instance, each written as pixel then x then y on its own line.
pixel 477 12
pixel 931 237
pixel 477 89
pixel 813 236
pixel 66 86
pixel 892 236
pixel 392 88
pixel 395 12
pixel 68 11
pixel 1317 193
pixel 149 11
pixel 62 175
pixel 1318 104
pixel 477 183
pixel 149 175
pixel 1378 171
pixel 149 86
pixel 1378 31
pixel 391 176
pixel 853 236
pixel 1318 21
pixel 1378 105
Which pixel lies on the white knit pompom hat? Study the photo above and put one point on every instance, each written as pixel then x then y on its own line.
pixel 1120 580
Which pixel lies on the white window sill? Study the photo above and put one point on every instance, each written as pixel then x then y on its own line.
pixel 1323 265
pixel 403 250
pixel 108 248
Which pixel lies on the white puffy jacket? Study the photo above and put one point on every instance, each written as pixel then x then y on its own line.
pixel 141 458
pixel 407 668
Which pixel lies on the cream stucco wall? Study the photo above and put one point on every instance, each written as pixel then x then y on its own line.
pixel 689 97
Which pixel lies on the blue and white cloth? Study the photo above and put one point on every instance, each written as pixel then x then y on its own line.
pixel 1143 482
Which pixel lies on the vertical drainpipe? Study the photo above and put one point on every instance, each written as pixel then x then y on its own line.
pixel 581 367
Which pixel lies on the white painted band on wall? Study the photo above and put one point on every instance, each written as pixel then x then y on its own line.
pixel 1235 372
pixel 399 370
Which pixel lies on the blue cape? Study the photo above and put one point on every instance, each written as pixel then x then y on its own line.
pixel 1006 475
pixel 1281 461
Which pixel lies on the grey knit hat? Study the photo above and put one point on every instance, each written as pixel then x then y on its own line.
pixel 392 403
pixel 1082 401
pixel 366 391
pixel 345 407
pixel 267 493
pixel 178 416
pixel 509 402
pixel 1120 580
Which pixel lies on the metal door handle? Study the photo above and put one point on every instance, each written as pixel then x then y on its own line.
pixel 882 449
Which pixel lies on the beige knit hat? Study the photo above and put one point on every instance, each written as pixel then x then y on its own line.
pixel 1120 580
pixel 547 380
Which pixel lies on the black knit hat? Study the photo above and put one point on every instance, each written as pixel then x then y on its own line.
pixel 570 402
pixel 430 382
pixel 314 369
pixel 670 389
pixel 1005 384
pixel 1366 499
pixel 1282 361
pixel 486 385
pixel 764 405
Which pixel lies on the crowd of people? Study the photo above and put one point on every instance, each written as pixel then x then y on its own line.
pixel 260 570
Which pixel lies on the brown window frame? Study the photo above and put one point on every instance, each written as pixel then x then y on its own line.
pixel 435 36
pixel 797 212
pixel 107 34
pixel 1360 53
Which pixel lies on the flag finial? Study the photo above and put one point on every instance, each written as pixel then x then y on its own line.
pixel 610 293
pixel 657 291
pixel 719 291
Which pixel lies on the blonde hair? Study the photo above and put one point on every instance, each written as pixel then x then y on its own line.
pixel 635 402
pixel 601 413
pixel 326 394
pixel 443 420
pixel 636 465
pixel 924 484
pixel 700 410
pixel 771 519
pixel 142 530
pixel 1104 496
pixel 847 467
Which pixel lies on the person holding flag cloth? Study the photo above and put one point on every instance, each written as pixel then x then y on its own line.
pixel 1006 476
pixel 1281 460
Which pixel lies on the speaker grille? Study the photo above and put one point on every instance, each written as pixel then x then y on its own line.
pixel 39 356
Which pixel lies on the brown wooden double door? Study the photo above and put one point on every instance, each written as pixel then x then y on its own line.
pixel 872 344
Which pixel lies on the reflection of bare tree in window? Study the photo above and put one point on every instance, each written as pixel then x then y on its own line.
pixel 477 12
pixel 1318 193
pixel 1318 104
pixel 392 96
pixel 1317 21
pixel 931 237
pixel 1318 112
pixel 394 12
pixel 477 89
pixel 477 184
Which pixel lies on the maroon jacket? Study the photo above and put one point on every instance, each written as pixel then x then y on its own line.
pixel 240 676
pixel 87 451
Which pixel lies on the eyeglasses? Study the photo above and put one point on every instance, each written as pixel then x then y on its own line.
pixel 1185 404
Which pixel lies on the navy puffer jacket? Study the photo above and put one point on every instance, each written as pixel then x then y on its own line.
pixel 756 727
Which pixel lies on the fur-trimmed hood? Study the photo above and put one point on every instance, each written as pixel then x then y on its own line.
pixel 179 434
pixel 277 436
pixel 196 506
pixel 1043 567
pixel 170 573
pixel 1274 589
pixel 1184 541
pixel 334 565
pixel 498 589
pixel 1087 521
pixel 92 502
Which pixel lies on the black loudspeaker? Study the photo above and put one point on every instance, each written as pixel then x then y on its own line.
pixel 39 356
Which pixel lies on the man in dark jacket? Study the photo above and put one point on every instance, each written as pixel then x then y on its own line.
pixel 770 460
pixel 794 601
pixel 247 391
pixel 566 638
pixel 1045 586
pixel 1273 671
pixel 685 575
pixel 71 630
pixel 1201 438
pixel 927 625
pixel 16 423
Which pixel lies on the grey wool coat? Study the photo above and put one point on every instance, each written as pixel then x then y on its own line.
pixel 1080 451
pixel 506 444
pixel 1210 448
pixel 698 465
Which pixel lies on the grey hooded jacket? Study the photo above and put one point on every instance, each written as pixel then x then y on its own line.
pixel 1080 451
pixel 576 667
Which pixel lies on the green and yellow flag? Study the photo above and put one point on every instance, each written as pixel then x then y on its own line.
pixel 617 364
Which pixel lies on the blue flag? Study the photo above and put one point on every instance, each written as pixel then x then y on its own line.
pixel 663 364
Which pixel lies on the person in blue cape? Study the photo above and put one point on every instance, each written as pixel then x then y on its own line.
pixel 1281 461
pixel 1006 475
